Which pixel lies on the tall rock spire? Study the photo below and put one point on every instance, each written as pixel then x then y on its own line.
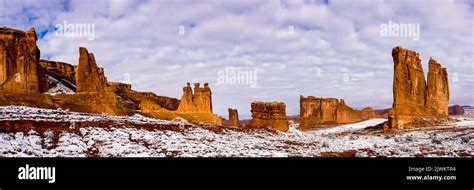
pixel 89 77
pixel 412 96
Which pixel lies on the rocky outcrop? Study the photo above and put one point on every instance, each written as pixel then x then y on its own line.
pixel 89 77
pixel 96 102
pixel 323 111
pixel 23 78
pixel 412 96
pixel 199 102
pixel 118 87
pixel 63 72
pixel 186 103
pixel 203 98
pixel 272 114
pixel 383 113
pixel 456 110
pixel 151 101
pixel 19 62
pixel 437 95
pixel 59 70
pixel 233 118
pixel 197 106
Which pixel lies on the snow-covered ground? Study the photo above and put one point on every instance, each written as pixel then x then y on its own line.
pixel 351 127
pixel 59 87
pixel 209 141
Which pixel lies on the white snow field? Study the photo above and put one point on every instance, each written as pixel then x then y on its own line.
pixel 122 139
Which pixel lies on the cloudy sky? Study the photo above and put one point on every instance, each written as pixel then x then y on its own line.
pixel 320 48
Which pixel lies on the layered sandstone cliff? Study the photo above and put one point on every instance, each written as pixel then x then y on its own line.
pixel 323 111
pixel 19 62
pixel 412 96
pixel 269 114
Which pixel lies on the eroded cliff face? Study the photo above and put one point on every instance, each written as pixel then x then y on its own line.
pixel 412 96
pixel 324 111
pixel 19 62
pixel 269 114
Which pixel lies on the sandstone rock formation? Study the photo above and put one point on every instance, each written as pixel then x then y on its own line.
pixel 271 114
pixel 437 95
pixel 233 118
pixel 186 103
pixel 89 77
pixel 19 62
pixel 197 106
pixel 456 110
pixel 118 87
pixel 199 102
pixel 412 96
pixel 23 78
pixel 63 72
pixel 150 101
pixel 323 111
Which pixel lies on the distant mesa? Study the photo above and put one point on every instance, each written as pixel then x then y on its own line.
pixel 467 107
pixel 456 110
pixel 383 112
pixel 316 112
pixel 412 96
pixel 26 80
pixel 269 114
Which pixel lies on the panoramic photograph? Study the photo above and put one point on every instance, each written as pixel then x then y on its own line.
pixel 236 79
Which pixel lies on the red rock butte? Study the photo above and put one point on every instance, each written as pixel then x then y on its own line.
pixel 315 112
pixel 269 114
pixel 412 96
pixel 24 80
